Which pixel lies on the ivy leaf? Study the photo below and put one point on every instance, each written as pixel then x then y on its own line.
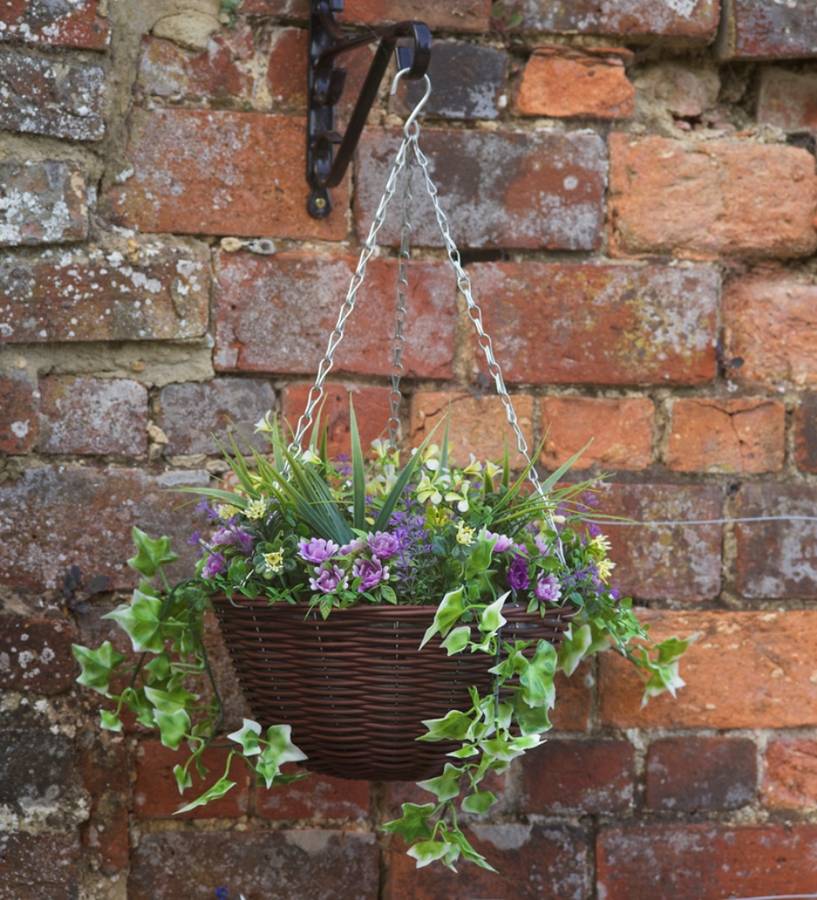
pixel 172 727
pixel 110 720
pixel 248 736
pixel 536 679
pixel 184 779
pixel 480 559
pixel 673 648
pixel 426 852
pixel 140 620
pixel 96 665
pixel 279 744
pixel 468 851
pixel 531 721
pixel 413 824
pixel 492 619
pixel 445 786
pixel 218 790
pixel 457 640
pixel 451 607
pixel 465 752
pixel 454 726
pixel 151 553
pixel 479 802
pixel 574 648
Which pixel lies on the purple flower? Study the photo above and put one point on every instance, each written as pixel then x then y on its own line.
pixel 593 530
pixel 384 545
pixel 215 564
pixel 370 572
pixel 316 550
pixel 232 536
pixel 352 547
pixel 547 589
pixel 615 593
pixel 205 509
pixel 501 541
pixel 194 539
pixel 590 499
pixel 541 545
pixel 518 578
pixel 328 580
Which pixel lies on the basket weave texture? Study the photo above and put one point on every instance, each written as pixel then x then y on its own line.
pixel 354 687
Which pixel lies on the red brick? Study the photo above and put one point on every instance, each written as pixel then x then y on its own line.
pixel 710 198
pixel 790 777
pixel 79 24
pixel 696 21
pixel 106 777
pixel 54 517
pixel 18 414
pixel 52 97
pixel 35 655
pixel 683 90
pixel 776 560
pixel 317 798
pixel 556 323
pixel 746 670
pixel 459 15
pixel 694 773
pixel 477 423
pixel 93 416
pixel 746 435
pixel 371 410
pixel 693 862
pixel 588 776
pixel 293 863
pixel 156 795
pixel 679 563
pixel 250 180
pixel 576 698
pixel 768 29
pixel 195 416
pixel 771 329
pixel 296 297
pixel 160 292
pixel 541 189
pixel 788 99
pixel 805 433
pixel 35 866
pixel 566 83
pixel 42 203
pixel 534 861
pixel 620 430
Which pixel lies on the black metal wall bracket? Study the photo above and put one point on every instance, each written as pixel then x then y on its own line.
pixel 325 168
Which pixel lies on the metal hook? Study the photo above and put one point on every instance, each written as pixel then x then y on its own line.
pixel 412 119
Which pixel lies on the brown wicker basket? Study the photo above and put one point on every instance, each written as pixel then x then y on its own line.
pixel 354 687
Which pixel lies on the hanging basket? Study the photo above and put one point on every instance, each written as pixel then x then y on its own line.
pixel 355 687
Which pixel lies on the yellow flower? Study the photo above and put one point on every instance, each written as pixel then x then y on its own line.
pixel 605 568
pixel 465 534
pixel 226 511
pixel 274 561
pixel 256 509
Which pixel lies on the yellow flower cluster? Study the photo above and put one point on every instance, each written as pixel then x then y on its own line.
pixel 256 509
pixel 274 561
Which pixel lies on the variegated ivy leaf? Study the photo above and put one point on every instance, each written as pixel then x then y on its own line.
pixel 248 736
pixel 536 679
pixel 575 645
pixel 280 746
pixel 445 786
pixel 139 619
pixel 454 726
pixel 110 720
pixel 492 619
pixel 413 824
pixel 218 790
pixel 96 665
pixel 451 607
pixel 479 802
pixel 426 852
pixel 183 778
pixel 172 727
pixel 457 640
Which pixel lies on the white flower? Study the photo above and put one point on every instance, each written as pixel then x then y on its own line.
pixel 256 509
pixel 465 534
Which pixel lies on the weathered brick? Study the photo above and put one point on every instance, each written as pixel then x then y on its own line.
pixel 680 563
pixel 35 655
pixel 298 863
pixel 589 776
pixel 787 99
pixel 565 323
pixel 156 795
pixel 710 198
pixel 746 670
pixel 776 560
pixel 93 416
pixel 52 97
pixel 58 516
pixel 195 416
pixel 680 90
pixel 248 180
pixel 477 424
pixel 371 409
pixel 768 29
pixel 509 189
pixel 534 861
pixel 694 773
pixel 692 862
pixel 317 798
pixel 42 203
pixel 36 769
pixel 79 23
pixel 805 433
pixel 790 776
pixel 34 866
pixel 771 329
pixel 106 772
pixel 18 414
pixel 696 20
pixel 295 297
pixel 620 431
pixel 746 435
pixel 576 700
pixel 563 82
pixel 469 83
pixel 160 292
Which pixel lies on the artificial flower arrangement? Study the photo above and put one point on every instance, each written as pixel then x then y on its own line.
pixel 471 544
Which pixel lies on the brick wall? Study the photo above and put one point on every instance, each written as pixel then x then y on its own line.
pixel 633 185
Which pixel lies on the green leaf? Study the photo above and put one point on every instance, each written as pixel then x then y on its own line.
pixel 492 619
pixel 479 560
pixel 457 640
pixel 454 726
pixel 445 786
pixel 248 737
pixel 110 720
pixel 451 607
pixel 96 665
pixel 468 851
pixel 426 852
pixel 673 648
pixel 279 745
pixel 151 553
pixel 574 646
pixel 413 824
pixel 536 679
pixel 172 727
pixel 218 790
pixel 139 619
pixel 358 471
pixel 479 802
pixel 184 779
